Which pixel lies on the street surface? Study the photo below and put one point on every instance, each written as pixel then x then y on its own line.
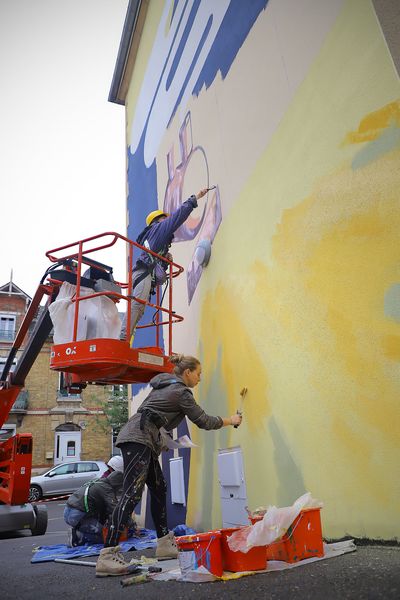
pixel 370 573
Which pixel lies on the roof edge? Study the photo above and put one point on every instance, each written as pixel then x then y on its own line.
pixel 4 290
pixel 125 45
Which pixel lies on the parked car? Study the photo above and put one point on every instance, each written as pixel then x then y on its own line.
pixel 65 478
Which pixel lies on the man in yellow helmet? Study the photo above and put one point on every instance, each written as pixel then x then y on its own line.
pixel 148 272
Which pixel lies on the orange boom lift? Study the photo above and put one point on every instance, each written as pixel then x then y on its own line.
pixel 99 361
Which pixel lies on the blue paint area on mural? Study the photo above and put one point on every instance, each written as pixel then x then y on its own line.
pixel 235 27
pixel 192 66
pixel 176 2
pixel 142 189
pixel 389 140
pixel 392 302
pixel 142 182
pixel 182 43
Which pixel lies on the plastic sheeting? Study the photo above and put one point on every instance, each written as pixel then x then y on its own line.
pixel 98 317
pixel 272 526
pixel 147 539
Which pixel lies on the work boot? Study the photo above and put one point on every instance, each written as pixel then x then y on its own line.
pixel 166 546
pixel 111 562
pixel 74 537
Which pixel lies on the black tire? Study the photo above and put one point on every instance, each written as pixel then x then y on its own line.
pixel 35 493
pixel 41 520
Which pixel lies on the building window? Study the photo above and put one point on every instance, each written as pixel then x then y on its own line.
pixel 62 392
pixel 3 362
pixel 64 470
pixel 7 327
pixel 87 467
pixel 7 431
pixel 71 448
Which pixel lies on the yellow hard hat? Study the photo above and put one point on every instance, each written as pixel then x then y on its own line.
pixel 154 215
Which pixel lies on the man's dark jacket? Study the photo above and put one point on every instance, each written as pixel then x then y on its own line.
pixel 160 234
pixel 102 496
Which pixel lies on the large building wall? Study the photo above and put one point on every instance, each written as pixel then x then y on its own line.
pixel 292 109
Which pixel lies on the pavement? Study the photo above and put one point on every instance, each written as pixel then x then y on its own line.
pixel 370 573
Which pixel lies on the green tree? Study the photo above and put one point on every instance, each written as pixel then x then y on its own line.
pixel 115 410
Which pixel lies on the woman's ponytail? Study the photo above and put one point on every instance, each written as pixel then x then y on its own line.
pixel 183 362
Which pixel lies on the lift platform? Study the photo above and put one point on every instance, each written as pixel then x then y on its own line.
pixel 111 361
pixel 108 361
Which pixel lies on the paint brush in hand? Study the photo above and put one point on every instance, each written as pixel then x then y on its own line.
pixel 239 411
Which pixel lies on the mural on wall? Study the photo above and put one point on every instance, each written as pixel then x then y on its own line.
pixel 205 225
pixel 300 302
pixel 324 295
pixel 191 46
pixel 318 324
pixel 194 43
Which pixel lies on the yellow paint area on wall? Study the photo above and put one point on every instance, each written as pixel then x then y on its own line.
pixel 391 346
pixel 312 322
pixel 308 275
pixel 241 364
pixel 230 363
pixel 371 127
pixel 345 264
pixel 315 314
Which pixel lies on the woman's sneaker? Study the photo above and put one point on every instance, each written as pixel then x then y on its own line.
pixel 111 562
pixel 166 546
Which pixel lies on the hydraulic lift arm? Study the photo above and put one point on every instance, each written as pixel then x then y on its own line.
pixel 16 452
pixel 11 383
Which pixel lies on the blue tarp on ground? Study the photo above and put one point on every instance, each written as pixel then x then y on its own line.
pixel 146 539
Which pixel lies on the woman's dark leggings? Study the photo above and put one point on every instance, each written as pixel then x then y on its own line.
pixel 140 468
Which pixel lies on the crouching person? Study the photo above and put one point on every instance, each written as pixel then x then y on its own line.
pixel 88 508
pixel 114 464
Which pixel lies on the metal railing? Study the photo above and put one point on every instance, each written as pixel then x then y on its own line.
pixel 79 251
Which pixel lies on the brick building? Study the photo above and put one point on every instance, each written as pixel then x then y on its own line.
pixel 64 426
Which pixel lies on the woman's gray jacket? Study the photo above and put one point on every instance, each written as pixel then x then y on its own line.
pixel 169 402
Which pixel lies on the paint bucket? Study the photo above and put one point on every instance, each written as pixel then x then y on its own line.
pixel 201 549
pixel 256 519
pixel 253 560
pixel 123 537
pixel 302 540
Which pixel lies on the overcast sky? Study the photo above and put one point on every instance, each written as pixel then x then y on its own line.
pixel 62 144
